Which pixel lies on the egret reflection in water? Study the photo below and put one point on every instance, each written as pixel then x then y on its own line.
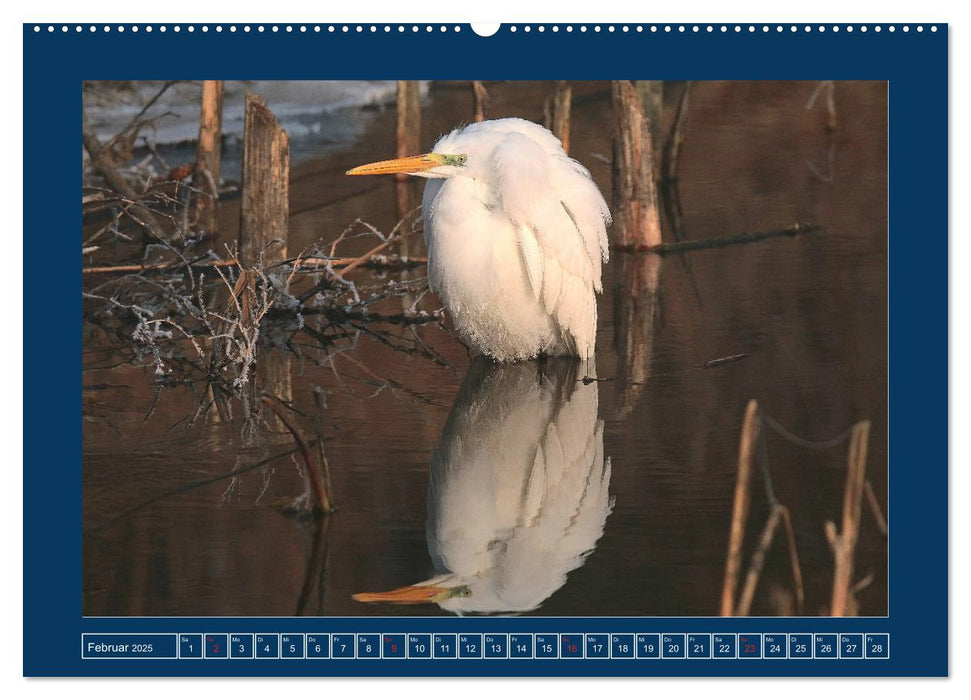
pixel 518 490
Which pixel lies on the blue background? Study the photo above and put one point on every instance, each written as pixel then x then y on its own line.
pixel 915 64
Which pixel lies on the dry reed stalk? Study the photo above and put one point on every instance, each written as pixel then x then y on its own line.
pixel 779 515
pixel 746 457
pixel 794 561
pixel 843 542
pixel 758 561
pixel 871 499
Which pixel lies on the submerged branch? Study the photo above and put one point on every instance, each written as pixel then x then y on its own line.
pixel 721 241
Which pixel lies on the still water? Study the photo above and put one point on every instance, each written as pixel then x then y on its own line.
pixel 542 488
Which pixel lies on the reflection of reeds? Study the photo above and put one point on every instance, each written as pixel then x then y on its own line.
pixel 316 572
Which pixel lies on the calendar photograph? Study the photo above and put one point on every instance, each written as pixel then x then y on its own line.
pixel 362 348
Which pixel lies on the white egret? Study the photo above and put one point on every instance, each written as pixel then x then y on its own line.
pixel 516 233
pixel 518 490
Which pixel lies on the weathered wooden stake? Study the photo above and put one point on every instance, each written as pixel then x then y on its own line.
pixel 408 141
pixel 652 97
pixel 637 218
pixel 843 542
pixel 209 155
pixel 480 101
pixel 409 118
pixel 746 457
pixel 265 215
pixel 562 99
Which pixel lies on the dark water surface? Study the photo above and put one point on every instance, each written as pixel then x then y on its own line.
pixel 558 513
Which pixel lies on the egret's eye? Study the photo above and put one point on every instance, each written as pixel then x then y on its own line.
pixel 457 159
pixel 461 591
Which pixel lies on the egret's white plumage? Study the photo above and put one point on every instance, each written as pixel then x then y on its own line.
pixel 518 492
pixel 516 235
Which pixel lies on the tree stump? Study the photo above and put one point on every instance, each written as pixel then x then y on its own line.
pixel 636 215
pixel 264 219
pixel 652 97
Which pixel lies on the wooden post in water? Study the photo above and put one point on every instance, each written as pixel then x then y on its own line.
pixel 636 215
pixel 263 227
pixel 562 99
pixel 409 118
pixel 480 101
pixel 264 219
pixel 652 98
pixel 209 155
pixel 408 142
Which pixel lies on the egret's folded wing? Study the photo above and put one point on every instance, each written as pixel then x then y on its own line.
pixel 559 216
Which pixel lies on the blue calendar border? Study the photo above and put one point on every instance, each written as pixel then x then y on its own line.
pixel 915 64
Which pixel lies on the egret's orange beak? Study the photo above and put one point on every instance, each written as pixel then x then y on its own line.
pixel 413 595
pixel 406 595
pixel 411 164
